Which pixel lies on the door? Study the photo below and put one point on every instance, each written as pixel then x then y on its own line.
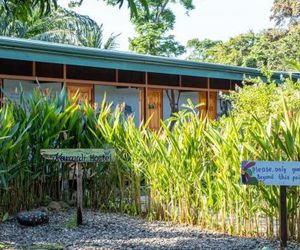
pixel 85 92
pixel 154 108
pixel 212 109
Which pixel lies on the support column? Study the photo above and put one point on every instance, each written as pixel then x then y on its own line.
pixel 1 93
pixel 203 101
pixel 211 102
pixel 212 108
pixel 34 69
pixel 146 97
pixel 65 75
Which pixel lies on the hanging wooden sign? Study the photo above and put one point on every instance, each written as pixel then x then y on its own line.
pixel 79 155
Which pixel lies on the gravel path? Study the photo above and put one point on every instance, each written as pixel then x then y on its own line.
pixel 115 231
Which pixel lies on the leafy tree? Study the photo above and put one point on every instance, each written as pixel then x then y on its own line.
pixel 286 12
pixel 271 48
pixel 153 28
pixel 62 26
pixel 201 49
pixel 22 9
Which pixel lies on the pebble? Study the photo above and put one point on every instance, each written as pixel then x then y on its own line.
pixel 117 231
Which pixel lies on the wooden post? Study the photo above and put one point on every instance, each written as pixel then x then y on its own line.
pixel 1 94
pixel 283 218
pixel 33 68
pixel 146 114
pixel 79 193
pixel 203 99
pixel 117 75
pixel 65 75
pixel 64 183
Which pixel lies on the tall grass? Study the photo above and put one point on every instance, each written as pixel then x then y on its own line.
pixel 189 175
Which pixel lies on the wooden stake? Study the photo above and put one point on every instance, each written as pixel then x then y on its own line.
pixel 79 193
pixel 283 218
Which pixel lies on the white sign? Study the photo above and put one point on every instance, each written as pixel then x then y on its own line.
pixel 284 173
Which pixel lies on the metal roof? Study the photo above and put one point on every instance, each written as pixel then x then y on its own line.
pixel 40 51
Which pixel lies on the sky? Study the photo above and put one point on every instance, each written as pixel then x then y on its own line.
pixel 213 19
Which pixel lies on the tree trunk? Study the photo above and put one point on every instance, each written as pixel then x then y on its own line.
pixel 173 101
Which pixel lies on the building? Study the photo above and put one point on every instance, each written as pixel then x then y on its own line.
pixel 141 81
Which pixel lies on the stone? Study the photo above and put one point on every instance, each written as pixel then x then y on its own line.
pixel 43 209
pixel 64 205
pixel 54 206
pixel 32 218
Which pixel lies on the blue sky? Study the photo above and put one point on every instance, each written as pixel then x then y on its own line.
pixel 214 19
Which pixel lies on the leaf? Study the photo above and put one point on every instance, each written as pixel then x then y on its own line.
pixel 5 217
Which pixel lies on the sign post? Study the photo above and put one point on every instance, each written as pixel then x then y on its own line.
pixel 283 217
pixel 79 156
pixel 79 193
pixel 279 173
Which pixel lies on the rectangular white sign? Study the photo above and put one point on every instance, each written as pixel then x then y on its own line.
pixel 283 173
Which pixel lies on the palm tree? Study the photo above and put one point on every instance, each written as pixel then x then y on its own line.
pixel 61 26
pixel 22 9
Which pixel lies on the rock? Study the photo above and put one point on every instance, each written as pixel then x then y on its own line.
pixel 64 205
pixel 54 206
pixel 43 209
pixel 32 218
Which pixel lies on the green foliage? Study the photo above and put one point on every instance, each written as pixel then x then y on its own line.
pixel 189 175
pixel 5 246
pixel 264 100
pixel 61 26
pixel 271 48
pixel 5 217
pixel 22 9
pixel 200 49
pixel 132 4
pixel 71 223
pixel 286 12
pixel 153 28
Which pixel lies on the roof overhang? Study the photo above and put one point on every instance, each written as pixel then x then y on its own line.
pixel 39 51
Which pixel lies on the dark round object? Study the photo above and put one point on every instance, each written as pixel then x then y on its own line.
pixel 32 218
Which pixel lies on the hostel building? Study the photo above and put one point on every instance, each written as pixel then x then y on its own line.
pixel 139 81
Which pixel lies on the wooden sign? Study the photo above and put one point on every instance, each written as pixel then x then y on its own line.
pixel 78 155
pixel 281 173
pixel 277 173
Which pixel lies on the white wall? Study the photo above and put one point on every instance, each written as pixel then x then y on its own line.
pixel 114 95
pixel 184 96
pixel 13 88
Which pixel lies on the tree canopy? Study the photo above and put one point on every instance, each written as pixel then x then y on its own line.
pixel 22 9
pixel 153 28
pixel 286 12
pixel 271 48
pixel 61 26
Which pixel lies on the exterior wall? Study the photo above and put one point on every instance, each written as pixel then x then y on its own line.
pixel 129 96
pixel 13 88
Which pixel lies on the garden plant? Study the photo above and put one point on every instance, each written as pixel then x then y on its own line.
pixel 188 174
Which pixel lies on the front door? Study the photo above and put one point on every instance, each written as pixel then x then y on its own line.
pixel 154 108
pixel 85 92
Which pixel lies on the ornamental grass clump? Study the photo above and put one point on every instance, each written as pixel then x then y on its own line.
pixel 188 172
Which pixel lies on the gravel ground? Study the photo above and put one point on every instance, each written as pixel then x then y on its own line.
pixel 115 231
